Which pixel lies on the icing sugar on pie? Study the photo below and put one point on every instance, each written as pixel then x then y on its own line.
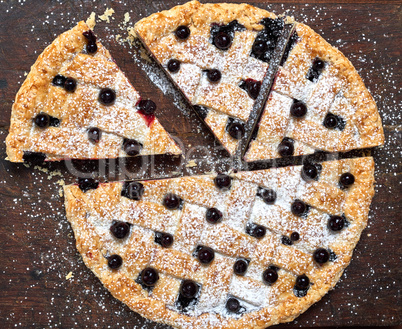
pixel 76 103
pixel 317 100
pixel 247 249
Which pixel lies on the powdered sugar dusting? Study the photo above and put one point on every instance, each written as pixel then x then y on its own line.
pixel 41 231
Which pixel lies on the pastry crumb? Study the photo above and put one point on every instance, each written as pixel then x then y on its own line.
pixel 69 276
pixel 191 164
pixel 126 18
pixel 91 21
pixel 61 182
pixel 131 35
pixel 107 15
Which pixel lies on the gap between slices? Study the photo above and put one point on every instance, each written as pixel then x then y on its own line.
pixel 76 103
pixel 317 101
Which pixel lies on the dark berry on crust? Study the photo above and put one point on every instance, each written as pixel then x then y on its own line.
pixel 59 80
pixel 321 255
pixel 257 231
pixel 298 208
pixel 223 41
pixel 94 134
pixel 133 190
pixel 302 282
pixel 347 179
pixel 286 240
pixel 336 223
pixel 149 276
pixel 132 147
pixel 173 65
pixel 92 47
pixel 114 262
pixel 309 172
pixel 205 254
pixel 120 229
pixel 171 201
pixel 295 236
pixel 189 289
pixel 286 147
pixel 147 106
pixel 240 266
pixel 330 121
pixel 302 286
pixel 252 87
pixel 317 67
pixel 268 195
pixel 270 276
pixel 233 305
pixel 42 120
pixel 70 85
pixel 182 32
pixel 214 75
pixel 164 239
pixel 213 215
pixel 298 109
pixel 235 129
pixel 223 181
pixel 222 35
pixel 107 96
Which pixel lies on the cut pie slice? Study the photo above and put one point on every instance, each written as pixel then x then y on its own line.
pixel 247 250
pixel 218 55
pixel 318 102
pixel 76 103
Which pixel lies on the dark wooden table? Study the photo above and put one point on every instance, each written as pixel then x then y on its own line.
pixel 36 242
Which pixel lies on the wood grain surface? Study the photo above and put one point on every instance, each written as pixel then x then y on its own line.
pixel 36 242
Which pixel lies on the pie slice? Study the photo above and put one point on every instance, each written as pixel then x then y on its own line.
pixel 318 102
pixel 218 55
pixel 76 103
pixel 248 250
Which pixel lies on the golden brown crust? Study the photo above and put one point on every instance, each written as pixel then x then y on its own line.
pixel 151 29
pixel 80 110
pixel 272 304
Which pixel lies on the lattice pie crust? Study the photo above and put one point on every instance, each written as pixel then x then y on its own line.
pixel 70 111
pixel 311 72
pixel 247 250
pixel 251 228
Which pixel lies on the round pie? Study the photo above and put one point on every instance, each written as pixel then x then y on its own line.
pixel 245 249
